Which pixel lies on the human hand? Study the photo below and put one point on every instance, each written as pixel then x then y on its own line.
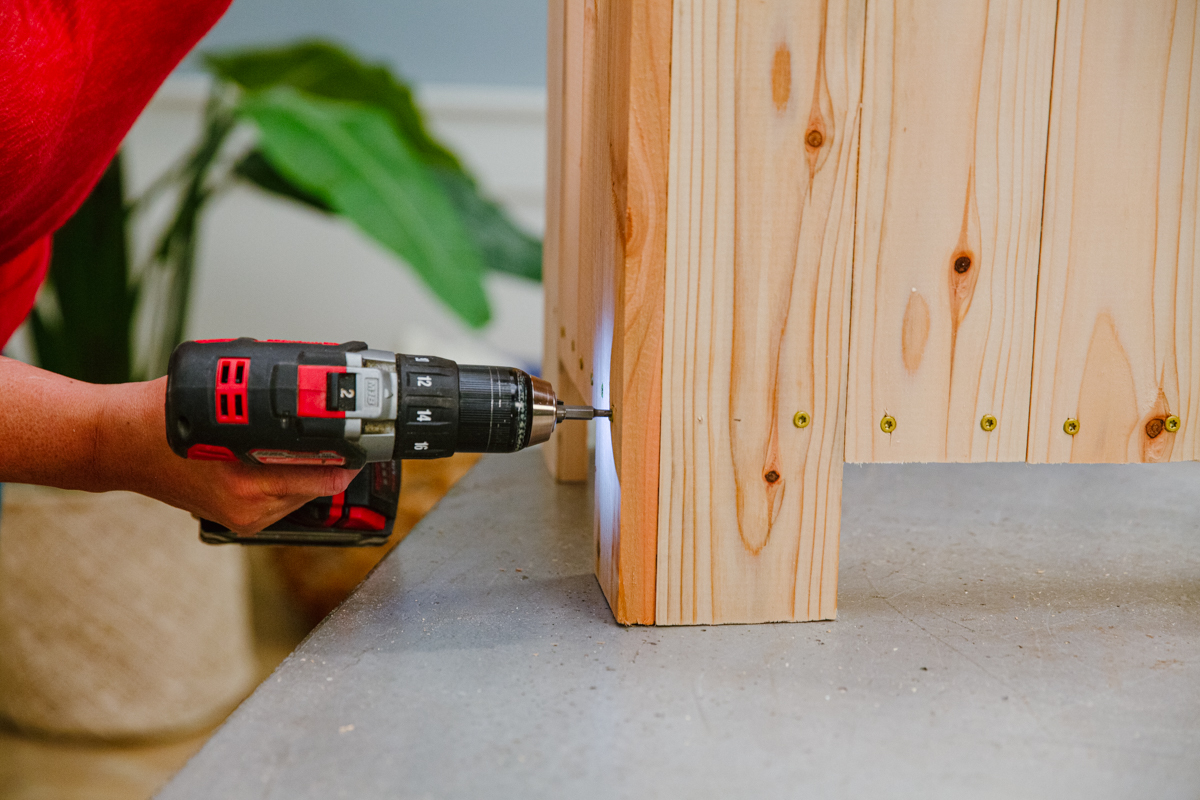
pixel 56 431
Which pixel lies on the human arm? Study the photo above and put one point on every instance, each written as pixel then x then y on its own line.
pixel 56 431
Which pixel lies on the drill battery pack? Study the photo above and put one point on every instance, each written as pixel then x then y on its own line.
pixel 362 516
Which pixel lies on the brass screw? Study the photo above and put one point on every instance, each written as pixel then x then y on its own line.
pixel 591 379
pixel 887 424
pixel 1173 422
pixel 988 423
pixel 1071 426
pixel 801 419
pixel 814 138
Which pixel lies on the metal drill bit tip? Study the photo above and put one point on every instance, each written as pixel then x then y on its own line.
pixel 582 412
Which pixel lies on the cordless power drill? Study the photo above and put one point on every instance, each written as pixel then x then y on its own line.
pixel 346 405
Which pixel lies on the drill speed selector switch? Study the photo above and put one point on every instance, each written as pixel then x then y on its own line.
pixel 304 403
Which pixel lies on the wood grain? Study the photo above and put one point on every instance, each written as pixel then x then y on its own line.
pixel 577 44
pixel 956 100
pixel 1118 299
pixel 566 452
pixel 763 148
pixel 640 213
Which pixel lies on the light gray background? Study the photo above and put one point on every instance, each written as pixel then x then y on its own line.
pixel 493 42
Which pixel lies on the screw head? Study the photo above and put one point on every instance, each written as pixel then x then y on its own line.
pixel 801 419
pixel 1172 423
pixel 1071 426
pixel 814 138
pixel 887 424
pixel 988 423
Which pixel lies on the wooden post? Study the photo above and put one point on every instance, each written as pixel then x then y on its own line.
pixel 609 90
pixel 566 453
pixel 764 145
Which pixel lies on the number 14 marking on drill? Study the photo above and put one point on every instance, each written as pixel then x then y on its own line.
pixel 424 415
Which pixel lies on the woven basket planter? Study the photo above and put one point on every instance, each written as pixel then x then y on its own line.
pixel 115 621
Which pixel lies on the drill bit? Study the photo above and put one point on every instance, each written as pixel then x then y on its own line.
pixel 582 412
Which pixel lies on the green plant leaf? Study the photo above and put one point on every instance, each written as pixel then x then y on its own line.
pixel 350 157
pixel 88 338
pixel 505 247
pixel 255 168
pixel 324 70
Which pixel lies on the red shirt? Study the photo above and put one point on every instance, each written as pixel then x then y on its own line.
pixel 74 75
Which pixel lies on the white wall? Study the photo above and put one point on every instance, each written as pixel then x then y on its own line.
pixel 269 268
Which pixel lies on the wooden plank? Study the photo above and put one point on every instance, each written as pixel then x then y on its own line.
pixel 602 248
pixel 1118 300
pixel 956 100
pixel 575 47
pixel 763 150
pixel 566 453
pixel 640 212
pixel 622 244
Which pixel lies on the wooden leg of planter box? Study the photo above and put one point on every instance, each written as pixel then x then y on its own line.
pixel 760 223
pixel 615 76
pixel 566 453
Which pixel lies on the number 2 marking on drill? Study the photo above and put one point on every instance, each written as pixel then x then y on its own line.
pixel 424 380
pixel 347 393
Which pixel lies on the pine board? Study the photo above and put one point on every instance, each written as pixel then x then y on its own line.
pixel 1118 301
pixel 956 101
pixel 758 261
pixel 566 452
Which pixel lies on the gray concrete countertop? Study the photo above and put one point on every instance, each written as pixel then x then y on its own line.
pixel 1004 631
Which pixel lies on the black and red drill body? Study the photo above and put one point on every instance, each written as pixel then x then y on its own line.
pixel 302 403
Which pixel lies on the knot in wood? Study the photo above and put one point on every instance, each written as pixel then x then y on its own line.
pixel 814 138
pixel 962 264
pixel 771 477
pixel 1154 427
